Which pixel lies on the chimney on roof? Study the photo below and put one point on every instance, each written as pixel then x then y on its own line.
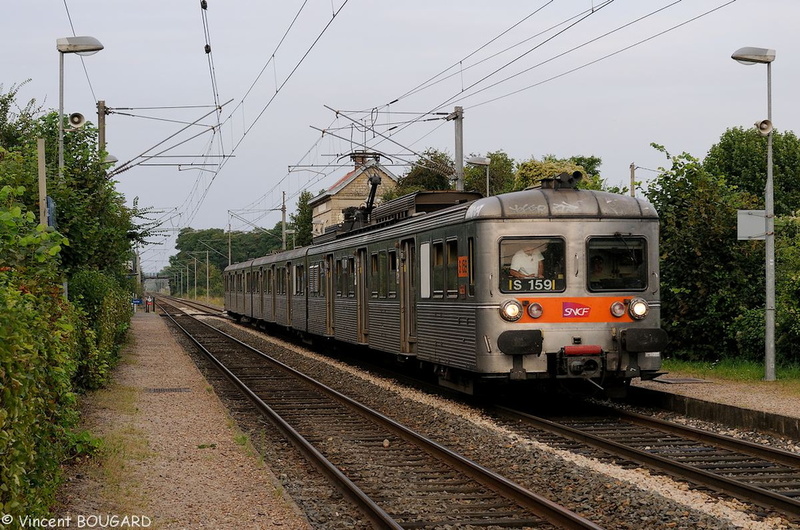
pixel 361 158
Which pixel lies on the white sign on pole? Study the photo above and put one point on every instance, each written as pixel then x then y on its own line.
pixel 750 225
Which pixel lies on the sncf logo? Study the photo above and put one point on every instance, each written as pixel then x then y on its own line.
pixel 574 310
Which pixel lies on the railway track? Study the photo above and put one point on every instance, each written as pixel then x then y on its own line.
pixel 396 477
pixel 754 473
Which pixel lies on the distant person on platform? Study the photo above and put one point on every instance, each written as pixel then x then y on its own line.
pixel 527 262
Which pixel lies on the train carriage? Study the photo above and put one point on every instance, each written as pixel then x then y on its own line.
pixel 551 284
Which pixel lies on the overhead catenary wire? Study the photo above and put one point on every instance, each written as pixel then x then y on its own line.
pixel 269 102
pixel 604 57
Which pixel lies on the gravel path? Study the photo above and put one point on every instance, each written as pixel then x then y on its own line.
pixel 172 452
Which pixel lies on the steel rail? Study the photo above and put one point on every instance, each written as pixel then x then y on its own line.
pixel 373 512
pixel 755 494
pixel 734 444
pixel 541 506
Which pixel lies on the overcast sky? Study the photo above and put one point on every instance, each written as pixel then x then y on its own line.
pixel 666 79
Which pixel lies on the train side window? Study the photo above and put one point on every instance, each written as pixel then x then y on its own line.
pixel 452 268
pixel 470 264
pixel 270 274
pixel 281 287
pixel 425 270
pixel 373 275
pixel 313 279
pixel 382 273
pixel 299 279
pixel 532 265
pixel 392 279
pixel 351 278
pixel 438 269
pixel 616 263
pixel 340 273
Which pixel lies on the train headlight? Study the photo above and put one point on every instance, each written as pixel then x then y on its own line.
pixel 511 310
pixel 617 309
pixel 638 308
pixel 535 310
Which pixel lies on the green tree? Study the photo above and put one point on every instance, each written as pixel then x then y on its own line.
pixel 707 276
pixel 741 155
pixel 432 171
pixel 501 174
pixel 302 220
pixel 531 172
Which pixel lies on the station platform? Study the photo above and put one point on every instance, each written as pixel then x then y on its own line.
pixel 172 453
pixel 772 406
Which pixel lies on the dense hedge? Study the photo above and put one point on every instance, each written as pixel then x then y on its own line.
pixel 106 308
pixel 38 348
pixel 38 344
pixel 49 350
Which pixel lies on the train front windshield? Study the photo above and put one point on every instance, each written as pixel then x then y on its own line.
pixel 532 265
pixel 617 263
pixel 537 265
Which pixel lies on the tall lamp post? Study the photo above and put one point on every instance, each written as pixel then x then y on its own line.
pixel 481 161
pixel 81 46
pixel 749 56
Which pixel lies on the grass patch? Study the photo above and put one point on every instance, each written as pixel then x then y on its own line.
pixel 788 377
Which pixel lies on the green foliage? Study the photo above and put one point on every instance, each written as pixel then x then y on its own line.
pixel 531 172
pixel 104 305
pixel 38 343
pixel 432 171
pixel 708 278
pixel 193 244
pixel 741 155
pixel 501 174
pixel 90 212
pixel 44 339
pixel 302 220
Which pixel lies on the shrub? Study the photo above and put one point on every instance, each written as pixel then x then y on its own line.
pixel 104 304
pixel 38 341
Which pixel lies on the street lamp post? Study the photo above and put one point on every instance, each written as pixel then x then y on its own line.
pixel 749 56
pixel 481 161
pixel 81 46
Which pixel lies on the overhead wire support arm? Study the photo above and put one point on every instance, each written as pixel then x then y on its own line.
pixel 130 163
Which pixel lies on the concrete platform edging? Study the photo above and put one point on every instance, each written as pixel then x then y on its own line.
pixel 727 414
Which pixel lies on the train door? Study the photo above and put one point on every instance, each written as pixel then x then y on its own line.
pixel 330 293
pixel 289 284
pixel 408 302
pixel 362 296
pixel 273 293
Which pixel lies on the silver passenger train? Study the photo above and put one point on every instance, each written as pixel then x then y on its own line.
pixel 546 285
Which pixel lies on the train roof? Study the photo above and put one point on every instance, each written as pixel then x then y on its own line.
pixel 551 203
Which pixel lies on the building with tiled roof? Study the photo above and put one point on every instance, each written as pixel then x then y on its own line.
pixel 351 191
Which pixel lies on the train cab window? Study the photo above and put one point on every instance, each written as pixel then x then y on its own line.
pixel 616 263
pixel 532 265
